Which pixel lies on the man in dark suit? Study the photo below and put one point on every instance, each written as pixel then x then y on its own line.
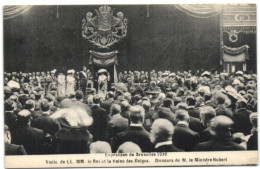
pixel 241 118
pixel 44 122
pixel 193 112
pixel 31 138
pixel 83 79
pixel 9 116
pixel 100 120
pixel 125 109
pixel 117 123
pixel 221 108
pixel 164 113
pixel 107 103
pixel 148 120
pixel 135 132
pixel 183 137
pixel 12 149
pixel 208 102
pixel 222 137
pixel 30 106
pixel 161 135
pixel 207 113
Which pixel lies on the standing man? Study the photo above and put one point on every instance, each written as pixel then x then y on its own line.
pixel 83 79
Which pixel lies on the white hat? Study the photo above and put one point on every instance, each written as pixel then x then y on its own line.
pixel 13 84
pixel 223 74
pixel 206 73
pixel 204 89
pixel 231 91
pixel 165 74
pixel 239 73
pixel 172 74
pixel 236 82
pixel 102 71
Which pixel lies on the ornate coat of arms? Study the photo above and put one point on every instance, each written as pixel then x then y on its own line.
pixel 104 29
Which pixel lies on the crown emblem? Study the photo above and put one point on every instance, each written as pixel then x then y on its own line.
pixel 104 9
pixel 104 29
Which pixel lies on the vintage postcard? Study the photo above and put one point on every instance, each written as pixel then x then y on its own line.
pixel 130 85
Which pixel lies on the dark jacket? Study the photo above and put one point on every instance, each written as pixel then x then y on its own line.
pixel 242 122
pixel 218 145
pixel 10 120
pixel 184 138
pixel 167 148
pixel 46 124
pixel 31 138
pixel 12 149
pixel 116 125
pixel 223 110
pixel 74 140
pixel 100 123
pixel 205 135
pixel 193 112
pixel 252 143
pixel 136 134
pixel 195 124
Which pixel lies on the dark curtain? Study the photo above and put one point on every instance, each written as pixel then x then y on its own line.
pixel 167 40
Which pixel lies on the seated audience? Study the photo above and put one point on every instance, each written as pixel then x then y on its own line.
pixel 161 136
pixel 221 141
pixel 183 137
pixel 135 133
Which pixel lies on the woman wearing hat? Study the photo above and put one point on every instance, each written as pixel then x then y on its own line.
pixel 102 82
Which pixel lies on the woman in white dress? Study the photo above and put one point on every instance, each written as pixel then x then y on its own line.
pixel 61 85
pixel 70 83
pixel 102 83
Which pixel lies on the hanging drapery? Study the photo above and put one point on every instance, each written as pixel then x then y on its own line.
pixel 105 60
pixel 239 54
pixel 11 11
pixel 199 10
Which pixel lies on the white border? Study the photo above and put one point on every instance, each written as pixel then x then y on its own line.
pixel 81 2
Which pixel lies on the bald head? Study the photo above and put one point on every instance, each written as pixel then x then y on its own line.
pixel 100 147
pixel 129 147
pixel 161 130
pixel 137 114
pixel 222 126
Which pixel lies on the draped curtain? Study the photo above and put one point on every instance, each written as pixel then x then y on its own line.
pixel 11 11
pixel 239 54
pixel 199 10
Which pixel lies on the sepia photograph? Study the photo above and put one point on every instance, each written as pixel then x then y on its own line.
pixel 130 85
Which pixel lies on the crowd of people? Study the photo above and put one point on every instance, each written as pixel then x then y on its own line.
pixel 143 112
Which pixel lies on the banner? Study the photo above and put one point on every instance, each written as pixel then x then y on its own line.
pixel 103 59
